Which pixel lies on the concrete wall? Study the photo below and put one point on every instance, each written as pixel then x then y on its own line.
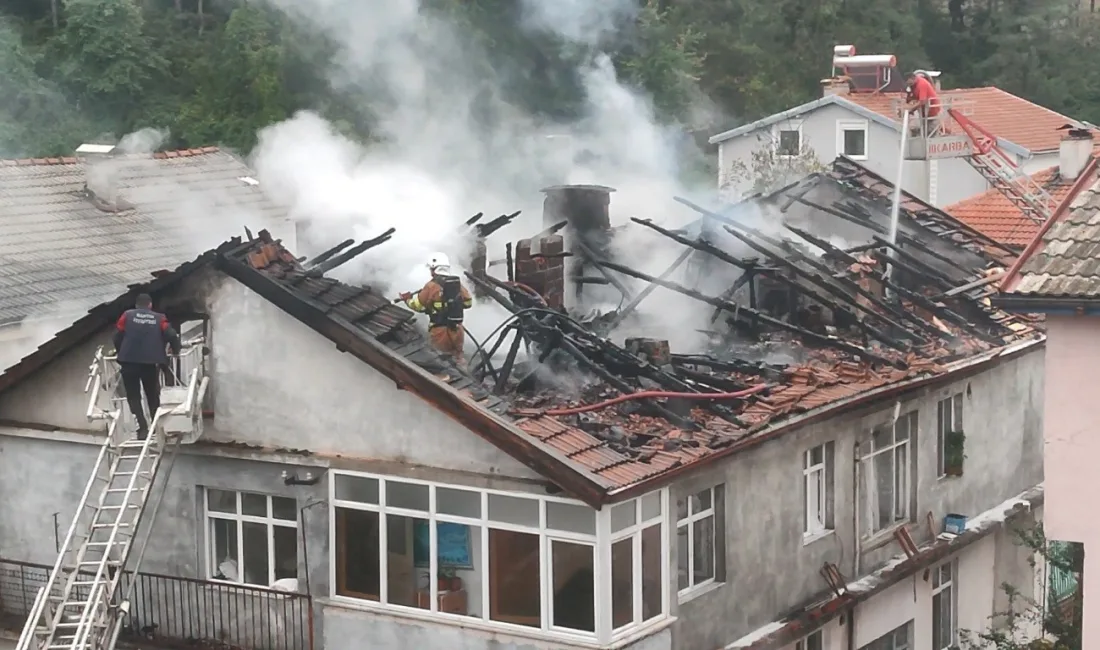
pixel 941 183
pixel 1002 419
pixel 1071 447
pixel 275 382
pixel 346 628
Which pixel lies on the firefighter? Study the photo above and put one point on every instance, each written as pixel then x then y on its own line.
pixel 922 99
pixel 141 337
pixel 444 300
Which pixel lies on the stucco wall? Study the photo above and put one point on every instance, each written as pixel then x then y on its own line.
pixel 953 180
pixel 1002 419
pixel 1071 446
pixel 276 382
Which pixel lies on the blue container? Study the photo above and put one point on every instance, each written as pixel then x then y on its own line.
pixel 954 524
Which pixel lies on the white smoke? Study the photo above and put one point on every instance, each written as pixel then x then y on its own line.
pixel 451 145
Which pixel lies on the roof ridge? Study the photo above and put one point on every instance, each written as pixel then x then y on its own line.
pixel 73 160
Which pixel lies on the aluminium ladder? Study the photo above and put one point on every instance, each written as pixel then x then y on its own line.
pixel 81 606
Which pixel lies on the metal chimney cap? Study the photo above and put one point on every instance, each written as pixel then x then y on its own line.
pixel 96 149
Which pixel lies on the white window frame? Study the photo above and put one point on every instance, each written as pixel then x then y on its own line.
pixel 600 541
pixel 240 518
pixel 689 521
pixel 817 492
pixel 853 125
pixel 948 586
pixel 901 508
pixel 813 641
pixel 790 125
pixel 949 417
pixel 889 641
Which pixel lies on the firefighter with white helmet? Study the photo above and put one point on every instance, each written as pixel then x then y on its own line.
pixel 445 301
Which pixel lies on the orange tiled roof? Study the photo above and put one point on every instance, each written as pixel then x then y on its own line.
pixel 1003 114
pixel 995 216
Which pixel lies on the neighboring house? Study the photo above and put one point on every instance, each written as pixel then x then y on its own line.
pixel 856 120
pixel 76 231
pixel 342 454
pixel 1058 276
pixel 996 216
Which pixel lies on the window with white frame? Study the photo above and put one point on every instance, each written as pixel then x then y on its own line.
pixel 944 606
pixel 852 139
pixel 699 539
pixel 814 641
pixel 900 638
pixel 788 139
pixel 817 490
pixel 507 559
pixel 885 472
pixel 251 538
pixel 949 436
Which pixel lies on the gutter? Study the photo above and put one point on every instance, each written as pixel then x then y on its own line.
pixel 961 370
pixel 814 616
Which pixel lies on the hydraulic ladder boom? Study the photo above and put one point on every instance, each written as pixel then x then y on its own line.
pixel 1001 171
pixel 83 604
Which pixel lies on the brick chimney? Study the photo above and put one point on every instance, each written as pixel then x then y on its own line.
pixel 1074 153
pixel 836 86
pixel 100 175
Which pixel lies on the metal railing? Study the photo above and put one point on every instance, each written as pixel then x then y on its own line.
pixel 172 612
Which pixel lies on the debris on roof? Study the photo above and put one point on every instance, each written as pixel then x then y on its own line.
pixel 808 326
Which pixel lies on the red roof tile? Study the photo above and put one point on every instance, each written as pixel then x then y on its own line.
pixel 1003 114
pixel 994 215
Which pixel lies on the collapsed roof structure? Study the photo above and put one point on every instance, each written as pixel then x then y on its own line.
pixel 853 323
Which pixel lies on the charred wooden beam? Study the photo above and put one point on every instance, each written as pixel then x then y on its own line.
pixel 509 362
pixel 637 300
pixel 486 229
pixel 509 262
pixel 989 279
pixel 327 266
pixel 746 277
pixel 330 252
pixel 589 254
pixel 474 219
pixel 946 314
pixel 922 268
pixel 740 311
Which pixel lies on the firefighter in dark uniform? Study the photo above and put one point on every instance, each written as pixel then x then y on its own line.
pixel 444 300
pixel 141 337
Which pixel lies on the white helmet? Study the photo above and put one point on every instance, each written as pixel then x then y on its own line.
pixel 439 262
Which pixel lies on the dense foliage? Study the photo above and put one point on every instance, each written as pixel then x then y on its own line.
pixel 215 71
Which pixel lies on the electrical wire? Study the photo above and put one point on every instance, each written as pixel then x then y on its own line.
pixel 655 393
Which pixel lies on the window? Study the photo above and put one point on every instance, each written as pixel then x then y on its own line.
pixel 812 642
pixel 509 560
pixel 885 473
pixel 252 538
pixel 896 639
pixel 788 140
pixel 944 606
pixel 852 139
pixel 949 436
pixel 817 490
pixel 699 537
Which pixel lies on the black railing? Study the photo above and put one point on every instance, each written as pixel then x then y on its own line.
pixel 183 612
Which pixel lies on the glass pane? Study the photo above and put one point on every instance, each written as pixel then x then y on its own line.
pixel 462 503
pixel 574 586
pixel 883 471
pixel 356 488
pixel 410 496
pixel 225 561
pixel 651 572
pixel 817 455
pixel 357 554
pixel 814 641
pixel 937 621
pixel 622 582
pixel 881 437
pixel 460 572
pixel 957 413
pixel 285 509
pixel 514 567
pixel 624 515
pixel 681 509
pixel 901 486
pixel 683 559
pixel 855 143
pixel 286 552
pixel 566 516
pixel 221 501
pixel 703 552
pixel 254 504
pixel 255 559
pixel 407 541
pixel 651 506
pixel 700 501
pixel 513 510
